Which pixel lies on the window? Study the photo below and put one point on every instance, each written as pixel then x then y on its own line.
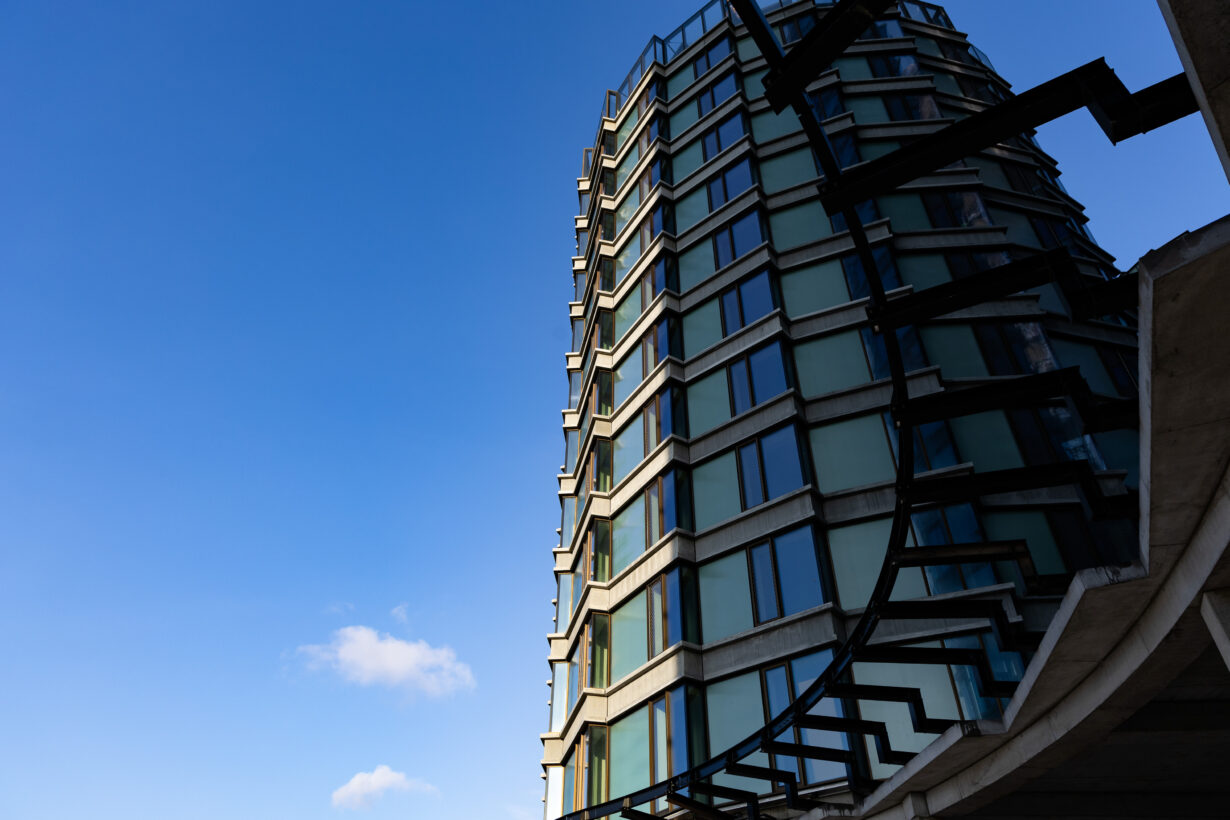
pixel 826 102
pixel 856 278
pixel 738 387
pixel 893 65
pixel 658 617
pixel 955 209
pixel 867 212
pixel 845 150
pixel 979 89
pixel 912 353
pixel 911 107
pixel 758 471
pixel 717 93
pixel 1011 348
pixel 795 28
pixel 730 183
pixel 714 55
pixel 662 276
pixel 933 447
pixel 1056 233
pixel 881 30
pixel 654 513
pixel 785 576
pixel 954 524
pixel 737 239
pixel 964 265
pixel 722 136
pixel 661 418
pixel 746 302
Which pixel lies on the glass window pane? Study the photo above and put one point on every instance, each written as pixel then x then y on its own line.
pixel 730 130
pixel 757 297
pixel 627 376
pixel 782 471
pixel 732 318
pixel 746 233
pixel 762 583
pixel 717 194
pixel 661 753
pixel 628 637
pixel 740 390
pixel 723 251
pixel 702 327
pixel 725 601
pixel 851 453
pixel 792 227
pixel 691 209
pixel 599 650
pixel 738 179
pixel 813 288
pixel 857 553
pixel 768 373
pixel 656 627
pixel 629 764
pixel 986 440
pixel 749 466
pixel 797 573
pixel 559 696
pixel 735 711
pixel 708 402
pixel 715 491
pixel 628 535
pixel 629 449
pixel 678 730
pixel 830 363
pixel 695 266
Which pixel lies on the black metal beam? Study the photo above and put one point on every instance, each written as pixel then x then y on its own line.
pixel 1014 277
pixel 698 809
pixel 1119 113
pixel 778 747
pixel 830 37
pixel 975 658
pixel 912 698
pixel 957 487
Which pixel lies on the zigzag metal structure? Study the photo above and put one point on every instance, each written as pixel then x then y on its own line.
pixel 1121 115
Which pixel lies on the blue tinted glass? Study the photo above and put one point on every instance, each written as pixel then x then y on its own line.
pixel 731 318
pixel 666 418
pixel 911 349
pixel 844 149
pixel 929 528
pixel 717 194
pixel 705 102
pixel 963 524
pixel 749 466
pixel 718 50
pixel 797 573
pixel 781 462
pixel 722 248
pixel 938 444
pixel 877 357
pixel 730 131
pixel 856 280
pixel 762 582
pixel 674 609
pixel 746 233
pixel 738 178
pixel 710 144
pixel 669 520
pixel 740 391
pixel 756 296
pixel 679 730
pixel 768 373
pixel 724 87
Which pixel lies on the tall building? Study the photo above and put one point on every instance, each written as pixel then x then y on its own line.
pixel 729 475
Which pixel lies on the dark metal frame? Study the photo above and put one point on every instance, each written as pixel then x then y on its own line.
pixel 1120 114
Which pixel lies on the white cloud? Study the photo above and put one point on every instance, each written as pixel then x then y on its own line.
pixel 400 613
pixel 367 786
pixel 363 656
pixel 339 608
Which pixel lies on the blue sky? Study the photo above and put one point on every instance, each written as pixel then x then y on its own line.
pixel 282 321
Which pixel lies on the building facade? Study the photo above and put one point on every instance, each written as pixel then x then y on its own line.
pixel 729 456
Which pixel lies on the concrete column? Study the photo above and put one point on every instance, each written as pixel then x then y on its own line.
pixel 1201 30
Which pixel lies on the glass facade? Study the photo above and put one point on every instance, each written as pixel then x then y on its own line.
pixel 729 458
